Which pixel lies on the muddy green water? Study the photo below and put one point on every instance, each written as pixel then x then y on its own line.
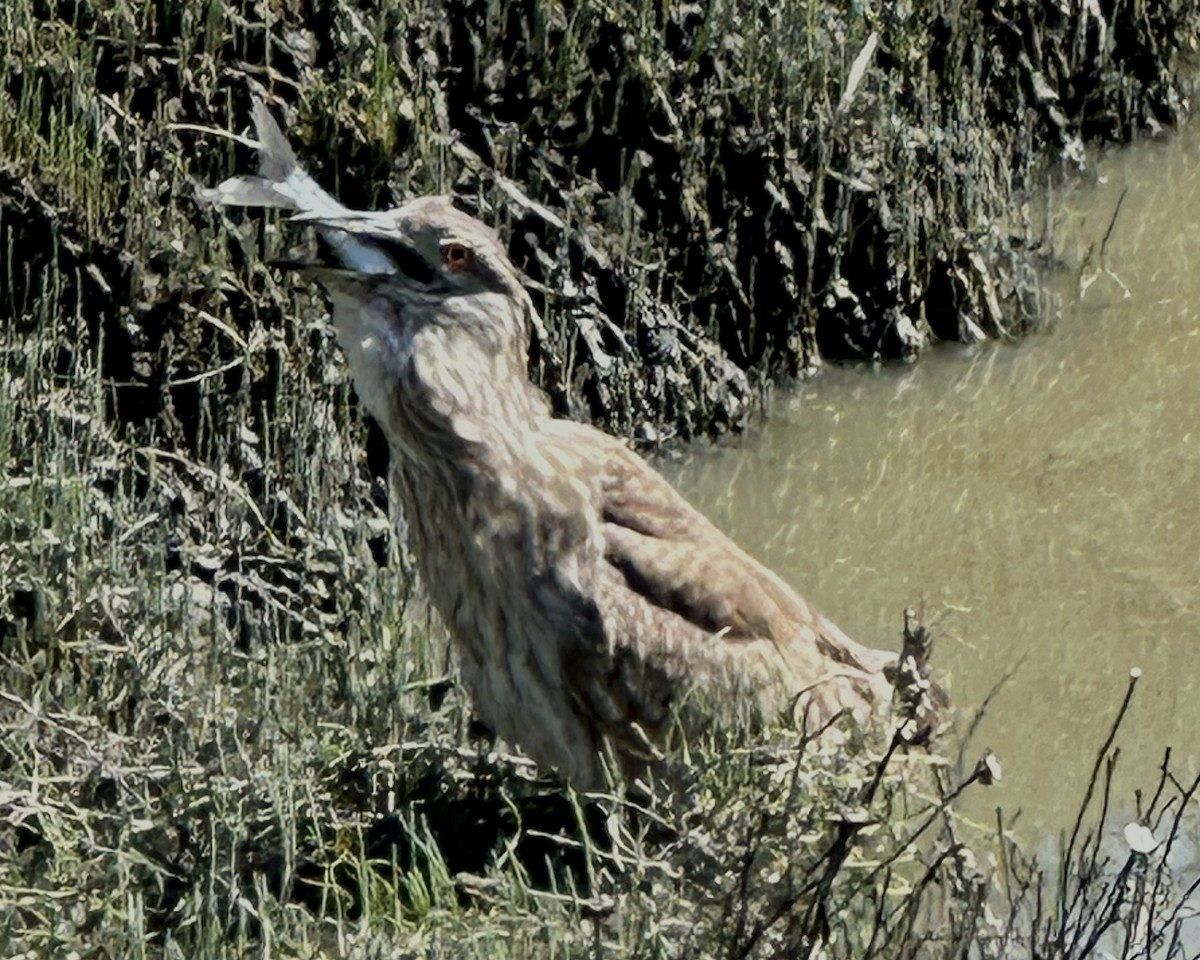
pixel 1038 502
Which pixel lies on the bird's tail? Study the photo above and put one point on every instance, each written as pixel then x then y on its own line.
pixel 281 181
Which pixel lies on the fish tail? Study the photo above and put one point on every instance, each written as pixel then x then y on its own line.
pixel 281 181
pixel 276 158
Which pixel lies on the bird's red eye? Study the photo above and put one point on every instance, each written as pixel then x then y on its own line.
pixel 456 256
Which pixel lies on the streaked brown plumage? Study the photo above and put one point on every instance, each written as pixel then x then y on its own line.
pixel 587 599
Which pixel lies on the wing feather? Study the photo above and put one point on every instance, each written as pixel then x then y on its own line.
pixel 674 557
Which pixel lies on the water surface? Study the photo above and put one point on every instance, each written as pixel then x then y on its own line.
pixel 1037 502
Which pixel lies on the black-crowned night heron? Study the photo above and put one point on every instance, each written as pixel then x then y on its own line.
pixel 586 598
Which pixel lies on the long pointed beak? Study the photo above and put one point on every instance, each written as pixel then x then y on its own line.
pixel 373 251
pixel 364 253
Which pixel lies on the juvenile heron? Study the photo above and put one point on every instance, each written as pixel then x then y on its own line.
pixel 587 599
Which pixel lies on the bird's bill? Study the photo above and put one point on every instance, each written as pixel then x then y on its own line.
pixel 339 279
pixel 375 252
pixel 366 243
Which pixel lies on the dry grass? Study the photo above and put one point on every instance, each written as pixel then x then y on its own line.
pixel 227 725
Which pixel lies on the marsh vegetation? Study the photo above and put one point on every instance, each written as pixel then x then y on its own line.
pixel 227 723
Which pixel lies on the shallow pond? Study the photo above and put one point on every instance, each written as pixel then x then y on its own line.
pixel 1038 503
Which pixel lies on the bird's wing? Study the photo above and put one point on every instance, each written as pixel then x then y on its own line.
pixel 674 557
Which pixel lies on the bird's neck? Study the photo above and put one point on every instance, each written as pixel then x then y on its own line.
pixel 472 476
pixel 443 393
pixel 460 405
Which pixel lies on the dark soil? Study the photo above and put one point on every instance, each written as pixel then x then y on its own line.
pixel 704 198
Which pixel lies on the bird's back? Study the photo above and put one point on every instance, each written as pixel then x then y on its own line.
pixel 728 621
pixel 590 602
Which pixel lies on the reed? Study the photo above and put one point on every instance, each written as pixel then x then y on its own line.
pixel 227 724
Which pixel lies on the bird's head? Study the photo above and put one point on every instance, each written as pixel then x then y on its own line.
pixel 430 311
pixel 427 247
pixel 432 315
